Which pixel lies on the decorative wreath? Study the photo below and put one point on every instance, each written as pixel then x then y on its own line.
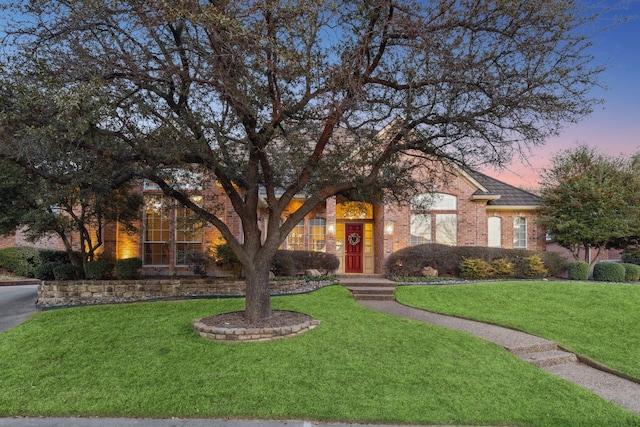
pixel 353 239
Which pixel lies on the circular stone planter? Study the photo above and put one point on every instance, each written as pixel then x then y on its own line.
pixel 235 327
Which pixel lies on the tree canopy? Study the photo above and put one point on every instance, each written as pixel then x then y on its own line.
pixel 590 200
pixel 291 98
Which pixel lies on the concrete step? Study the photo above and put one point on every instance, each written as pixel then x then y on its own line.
pixel 372 293
pixel 550 358
pixel 534 348
pixel 374 297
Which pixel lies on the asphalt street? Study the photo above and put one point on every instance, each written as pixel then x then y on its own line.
pixel 17 303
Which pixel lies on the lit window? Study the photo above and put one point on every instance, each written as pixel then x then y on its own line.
pixel 520 233
pixel 188 234
pixel 317 234
pixel 156 231
pixel 295 239
pixel 494 232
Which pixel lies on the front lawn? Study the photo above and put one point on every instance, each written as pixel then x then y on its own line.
pixel 144 360
pixel 597 320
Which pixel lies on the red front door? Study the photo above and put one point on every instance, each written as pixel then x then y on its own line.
pixel 353 242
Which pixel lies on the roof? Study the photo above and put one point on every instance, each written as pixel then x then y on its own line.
pixel 508 195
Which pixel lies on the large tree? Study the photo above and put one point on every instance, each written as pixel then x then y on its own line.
pixel 278 99
pixel 590 201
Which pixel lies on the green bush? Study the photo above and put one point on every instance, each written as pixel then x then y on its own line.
pixel 45 270
pixel 608 272
pixel 533 267
pixel 50 255
pixel 98 270
pixel 127 269
pixel 555 263
pixel 226 259
pixel 578 270
pixel 310 260
pixel 475 269
pixel 21 260
pixel 631 272
pixel 283 265
pixel 631 256
pixel 409 262
pixel 502 268
pixel 65 272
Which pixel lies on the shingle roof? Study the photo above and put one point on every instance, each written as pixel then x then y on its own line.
pixel 509 195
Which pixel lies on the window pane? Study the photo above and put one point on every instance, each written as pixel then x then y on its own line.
pixel 520 233
pixel 447 229
pixel 295 240
pixel 156 231
pixel 317 233
pixel 494 232
pixel 434 201
pixel 420 229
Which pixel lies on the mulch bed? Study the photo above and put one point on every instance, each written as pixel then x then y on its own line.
pixel 237 319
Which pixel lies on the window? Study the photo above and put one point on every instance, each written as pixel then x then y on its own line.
pixel 520 233
pixel 295 239
pixel 430 221
pixel 420 229
pixel 156 231
pixel 494 232
pixel 188 234
pixel 317 233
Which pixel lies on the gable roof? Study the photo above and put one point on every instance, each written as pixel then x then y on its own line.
pixel 501 194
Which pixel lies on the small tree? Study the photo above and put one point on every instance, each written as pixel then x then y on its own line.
pixel 590 201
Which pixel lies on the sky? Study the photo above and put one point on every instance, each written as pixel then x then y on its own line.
pixel 613 127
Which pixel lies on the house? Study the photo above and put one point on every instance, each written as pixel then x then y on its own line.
pixel 469 209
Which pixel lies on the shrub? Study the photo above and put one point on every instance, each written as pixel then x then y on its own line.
pixel 533 267
pixel 631 256
pixel 310 260
pixel 608 272
pixel 65 272
pixel 50 255
pixel 503 268
pixel 578 270
pixel 45 270
pixel 21 260
pixel 555 263
pixel 283 265
pixel 127 269
pixel 475 269
pixel 631 272
pixel 409 262
pixel 226 259
pixel 98 270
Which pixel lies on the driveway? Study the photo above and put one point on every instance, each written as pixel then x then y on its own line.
pixel 17 303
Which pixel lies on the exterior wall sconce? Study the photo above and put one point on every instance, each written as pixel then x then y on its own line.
pixel 388 227
pixel 331 228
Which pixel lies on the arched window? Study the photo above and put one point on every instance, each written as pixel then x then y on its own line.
pixel 434 218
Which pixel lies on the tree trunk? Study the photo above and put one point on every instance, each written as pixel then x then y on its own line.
pixel 258 297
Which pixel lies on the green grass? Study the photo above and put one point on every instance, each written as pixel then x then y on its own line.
pixel 144 360
pixel 600 321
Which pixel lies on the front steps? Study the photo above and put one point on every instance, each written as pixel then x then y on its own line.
pixel 544 356
pixel 369 287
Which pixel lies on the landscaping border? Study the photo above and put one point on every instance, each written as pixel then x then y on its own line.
pixel 56 294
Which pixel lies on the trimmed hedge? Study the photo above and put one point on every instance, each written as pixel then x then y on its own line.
pixel 98 270
pixel 127 269
pixel 66 272
pixel 608 272
pixel 631 272
pixel 475 269
pixel 578 270
pixel 20 260
pixel 410 261
pixel 310 260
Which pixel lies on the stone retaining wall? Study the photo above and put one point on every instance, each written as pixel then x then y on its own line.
pixel 85 292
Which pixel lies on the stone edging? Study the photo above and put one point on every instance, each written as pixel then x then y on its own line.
pixel 218 333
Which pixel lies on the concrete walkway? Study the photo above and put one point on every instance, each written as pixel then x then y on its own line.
pixel 541 352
